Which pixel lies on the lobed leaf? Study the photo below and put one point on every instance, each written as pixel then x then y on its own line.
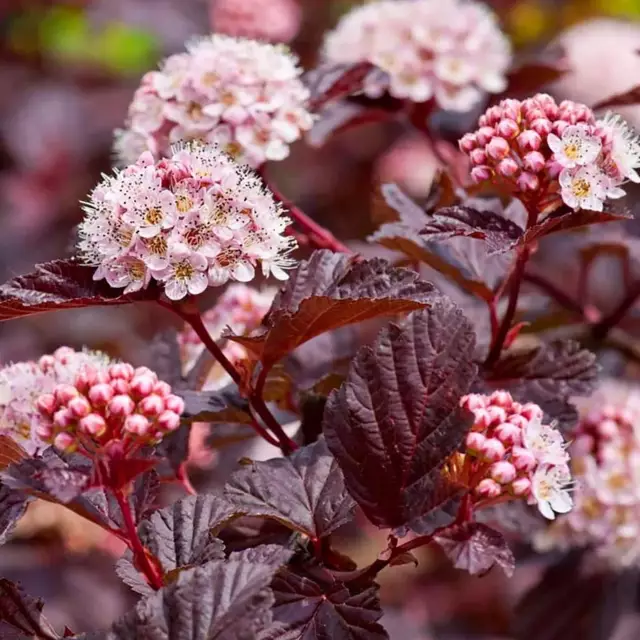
pixel 23 613
pixel 224 406
pixel 476 548
pixel 61 284
pixel 13 504
pixel 632 96
pixel 397 417
pixel 304 491
pixel 330 82
pixel 329 291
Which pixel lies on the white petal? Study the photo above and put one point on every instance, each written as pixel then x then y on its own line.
pixel 278 273
pixel 555 144
pixel 175 289
pixel 218 276
pixel 243 272
pixel 561 502
pixel 546 510
pixel 198 283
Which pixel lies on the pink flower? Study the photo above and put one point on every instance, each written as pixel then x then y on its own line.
pixel 450 50
pixel 243 95
pixel 186 274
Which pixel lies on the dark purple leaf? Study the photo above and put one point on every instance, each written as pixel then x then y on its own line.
pixel 445 502
pixel 61 284
pixel 333 290
pixel 330 82
pixel 183 533
pixel 64 484
pixel 498 233
pixel 224 406
pixel 20 612
pixel 476 548
pixel 551 371
pixel 397 418
pixel 531 74
pixel 164 358
pixel 632 96
pixel 10 452
pixel 311 608
pixel 13 504
pixel 514 516
pixel 576 598
pixel 304 491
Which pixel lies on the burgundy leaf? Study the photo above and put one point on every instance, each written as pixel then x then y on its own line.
pixel 64 484
pixel 397 418
pixel 304 491
pixel 476 548
pixel 225 406
pixel 632 96
pixel 164 358
pixel 13 504
pixel 321 608
pixel 497 232
pixel 331 82
pixel 21 612
pixel 61 284
pixel 10 452
pixel 531 74
pixel 333 290
pixel 408 211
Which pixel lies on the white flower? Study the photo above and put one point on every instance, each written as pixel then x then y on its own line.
pixel 625 151
pixel 186 274
pixel 550 490
pixel 586 188
pixel 577 147
pixel 545 442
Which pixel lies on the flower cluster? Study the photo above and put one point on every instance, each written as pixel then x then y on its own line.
pixel 105 404
pixel 270 20
pixel 510 452
pixel 240 309
pixel 556 150
pixel 605 460
pixel 448 50
pixel 23 382
pixel 193 220
pixel 243 95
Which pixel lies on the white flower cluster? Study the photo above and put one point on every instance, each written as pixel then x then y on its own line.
pixel 22 383
pixel 449 50
pixel 243 95
pixel 190 221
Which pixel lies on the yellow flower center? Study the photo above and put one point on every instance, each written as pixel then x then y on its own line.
pixel 183 271
pixel 154 215
pixel 136 270
pixel 183 203
pixel 581 188
pixel 157 245
pixel 572 151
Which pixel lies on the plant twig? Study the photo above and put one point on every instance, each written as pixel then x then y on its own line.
pixel 554 293
pixel 602 328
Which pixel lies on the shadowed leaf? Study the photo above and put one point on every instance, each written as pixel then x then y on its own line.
pixel 632 96
pixel 225 406
pixel 330 82
pixel 13 504
pixel 22 613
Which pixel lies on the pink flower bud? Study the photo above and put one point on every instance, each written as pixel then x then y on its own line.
pixel 100 394
pixel 475 441
pixel 162 389
pixel 478 156
pixel 523 459
pixel 520 486
pixel 93 424
pixel 542 127
pixel 507 168
pixel 559 126
pixel 64 442
pixel 145 371
pixel 481 174
pixel 529 140
pixel 503 472
pixel 90 376
pixel 120 386
pixel 534 161
pixel 44 431
pixel 493 450
pixel 501 399
pixel 121 406
pixel 519 421
pixel 483 419
pixel 468 142
pixel 473 401
pixel 607 429
pixel 168 421
pixel 484 135
pixel 175 404
pixel 64 354
pixel 137 424
pixel 508 434
pixel 142 385
pixel 497 414
pixel 488 488
pixel 511 109
pixel 152 405
pixel 528 182
pixel 508 128
pixel 46 404
pixel 46 362
pixel 79 407
pixel 65 392
pixel 63 418
pixel 121 370
pixel 498 148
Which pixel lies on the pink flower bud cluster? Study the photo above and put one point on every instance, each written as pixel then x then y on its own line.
pixel 194 220
pixel 555 150
pixel 101 405
pixel 23 382
pixel 451 51
pixel 270 20
pixel 512 453
pixel 240 309
pixel 605 460
pixel 243 95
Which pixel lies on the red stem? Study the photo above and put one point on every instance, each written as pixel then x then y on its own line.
pixel 143 562
pixel 554 293
pixel 193 318
pixel 602 328
pixel 320 236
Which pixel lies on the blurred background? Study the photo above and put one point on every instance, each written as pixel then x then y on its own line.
pixel 67 73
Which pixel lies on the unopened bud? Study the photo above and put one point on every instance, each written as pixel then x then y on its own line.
pixel 488 488
pixel 542 126
pixel 93 424
pixel 475 441
pixel 162 389
pixel 529 141
pixel 168 421
pixel 65 392
pixel 503 472
pixel 175 404
pixel 63 418
pixel 152 405
pixel 100 394
pixel 508 128
pixel 79 407
pixel 142 385
pixel 137 425
pixel 534 161
pixel 528 181
pixel 507 168
pixel 120 386
pixel 493 450
pixel 523 459
pixel 64 442
pixel 478 156
pixel 484 135
pixel 498 148
pixel 46 404
pixel 607 429
pixel 481 174
pixel 121 370
pixel 121 406
pixel 468 142
pixel 508 434
pixel 520 486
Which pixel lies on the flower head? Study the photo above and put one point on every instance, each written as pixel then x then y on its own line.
pixel 23 382
pixel 193 220
pixel 243 95
pixel 510 452
pixel 107 404
pixel 450 50
pixel 558 151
